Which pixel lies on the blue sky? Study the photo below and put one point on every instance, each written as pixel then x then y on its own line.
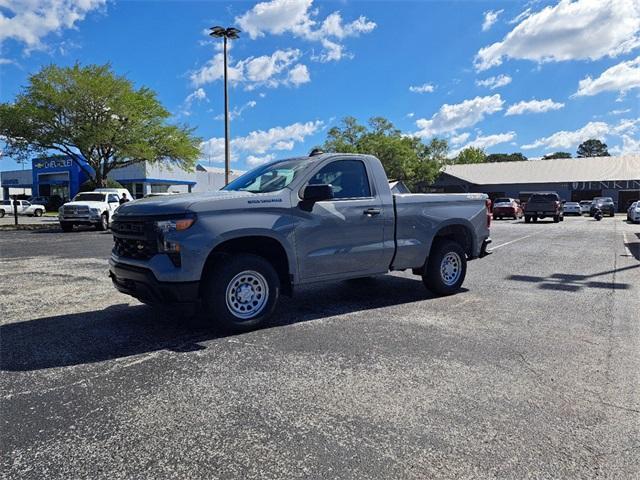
pixel 535 77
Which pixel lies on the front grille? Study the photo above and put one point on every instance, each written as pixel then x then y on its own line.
pixel 133 239
pixel 76 210
pixel 132 248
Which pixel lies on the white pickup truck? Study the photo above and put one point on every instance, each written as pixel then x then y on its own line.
pixel 24 208
pixel 91 208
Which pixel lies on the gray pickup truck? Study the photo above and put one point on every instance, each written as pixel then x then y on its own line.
pixel 297 221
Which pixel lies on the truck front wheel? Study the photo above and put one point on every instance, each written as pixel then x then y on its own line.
pixel 446 268
pixel 240 292
pixel 104 223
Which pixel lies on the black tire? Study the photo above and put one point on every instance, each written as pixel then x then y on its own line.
pixel 66 226
pixel 1 213
pixel 527 219
pixel 37 213
pixel 104 223
pixel 434 277
pixel 229 271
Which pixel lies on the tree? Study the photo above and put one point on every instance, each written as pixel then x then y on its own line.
pixel 593 148
pixel 506 157
pixel 404 157
pixel 471 155
pixel 89 113
pixel 557 155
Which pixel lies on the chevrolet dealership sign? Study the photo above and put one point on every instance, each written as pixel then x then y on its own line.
pixel 53 163
pixel 607 185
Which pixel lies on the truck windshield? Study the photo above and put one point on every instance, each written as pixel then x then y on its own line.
pixel 89 197
pixel 269 178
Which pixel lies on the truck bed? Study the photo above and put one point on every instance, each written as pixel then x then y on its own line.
pixel 419 215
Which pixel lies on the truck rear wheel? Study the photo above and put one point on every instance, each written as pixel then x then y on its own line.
pixel 240 293
pixel 446 268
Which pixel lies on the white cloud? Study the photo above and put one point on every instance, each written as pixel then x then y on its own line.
pixel 29 21
pixel 459 139
pixel 461 115
pixel 237 111
pixel 266 70
pixel 630 146
pixel 6 61
pixel 299 75
pixel 424 88
pixel 619 112
pixel 197 95
pixel 411 115
pixel 600 130
pixel 494 82
pixel 525 14
pixel 490 18
pixel 533 106
pixel 296 17
pixel 619 78
pixel 254 161
pixel 487 141
pixel 569 30
pixel 261 143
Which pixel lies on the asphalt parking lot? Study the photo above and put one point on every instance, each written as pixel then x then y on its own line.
pixel 532 371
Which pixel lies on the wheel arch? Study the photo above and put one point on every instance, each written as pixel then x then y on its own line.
pixel 265 246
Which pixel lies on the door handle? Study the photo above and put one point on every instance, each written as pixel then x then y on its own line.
pixel 372 211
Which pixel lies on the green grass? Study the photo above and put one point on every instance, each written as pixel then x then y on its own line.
pixel 50 214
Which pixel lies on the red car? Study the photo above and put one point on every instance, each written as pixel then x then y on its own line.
pixel 507 207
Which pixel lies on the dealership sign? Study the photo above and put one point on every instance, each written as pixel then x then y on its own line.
pixel 607 185
pixel 53 163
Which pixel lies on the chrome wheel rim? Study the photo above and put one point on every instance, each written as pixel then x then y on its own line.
pixel 451 268
pixel 247 294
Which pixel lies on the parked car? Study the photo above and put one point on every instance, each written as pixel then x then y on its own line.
pixel 51 203
pixel 506 207
pixel 633 213
pixel 605 204
pixel 91 208
pixel 287 223
pixel 24 207
pixel 572 208
pixel 585 206
pixel 542 205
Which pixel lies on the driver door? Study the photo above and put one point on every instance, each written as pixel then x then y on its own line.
pixel 113 202
pixel 343 235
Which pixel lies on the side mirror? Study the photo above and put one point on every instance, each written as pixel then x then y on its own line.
pixel 317 193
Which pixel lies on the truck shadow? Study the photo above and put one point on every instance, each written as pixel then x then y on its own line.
pixel 123 330
pixel 572 283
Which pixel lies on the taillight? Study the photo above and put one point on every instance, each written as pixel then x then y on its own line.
pixel 487 203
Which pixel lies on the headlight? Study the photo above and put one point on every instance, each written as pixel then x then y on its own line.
pixel 170 246
pixel 61 210
pixel 177 225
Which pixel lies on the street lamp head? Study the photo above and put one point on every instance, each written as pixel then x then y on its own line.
pixel 217 31
pixel 232 33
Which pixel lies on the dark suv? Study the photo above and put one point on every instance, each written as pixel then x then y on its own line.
pixel 605 204
pixel 544 204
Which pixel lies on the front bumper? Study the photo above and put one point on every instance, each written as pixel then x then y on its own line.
pixel 141 283
pixel 85 219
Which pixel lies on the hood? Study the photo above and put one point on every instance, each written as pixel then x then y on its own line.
pixel 178 204
pixel 85 204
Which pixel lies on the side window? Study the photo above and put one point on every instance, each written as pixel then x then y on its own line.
pixel 347 177
pixel 113 198
pixel 25 203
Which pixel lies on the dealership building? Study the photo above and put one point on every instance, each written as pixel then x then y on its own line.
pixel 63 177
pixel 574 179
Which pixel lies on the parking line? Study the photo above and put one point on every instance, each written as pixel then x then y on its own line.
pixel 625 242
pixel 512 241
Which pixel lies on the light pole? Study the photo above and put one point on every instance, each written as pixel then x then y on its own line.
pixel 226 33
